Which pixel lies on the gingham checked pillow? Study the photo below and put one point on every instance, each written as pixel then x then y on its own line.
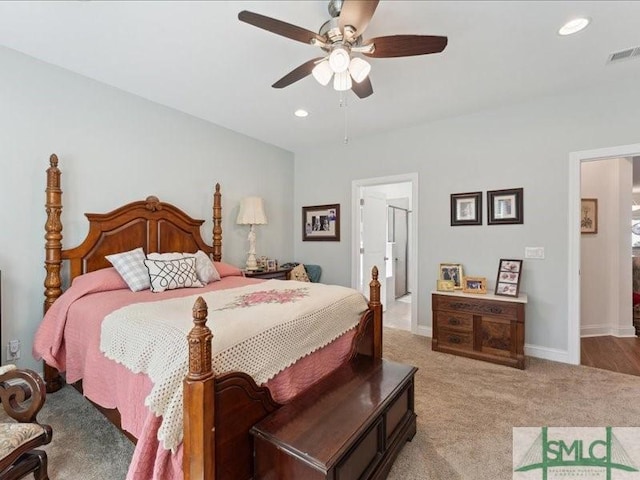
pixel 172 274
pixel 130 266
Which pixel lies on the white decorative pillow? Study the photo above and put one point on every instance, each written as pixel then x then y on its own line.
pixel 130 266
pixel 172 274
pixel 299 274
pixel 205 269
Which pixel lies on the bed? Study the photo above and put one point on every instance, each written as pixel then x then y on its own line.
pixel 219 409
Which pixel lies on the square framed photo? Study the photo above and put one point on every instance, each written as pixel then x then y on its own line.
pixel 453 272
pixel 474 285
pixel 321 223
pixel 509 274
pixel 505 206
pixel 589 215
pixel 466 208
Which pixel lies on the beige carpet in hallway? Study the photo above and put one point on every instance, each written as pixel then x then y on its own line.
pixel 466 409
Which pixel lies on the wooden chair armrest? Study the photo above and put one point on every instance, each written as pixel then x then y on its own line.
pixel 22 393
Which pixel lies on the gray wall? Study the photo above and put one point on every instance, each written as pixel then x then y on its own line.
pixel 525 145
pixel 115 148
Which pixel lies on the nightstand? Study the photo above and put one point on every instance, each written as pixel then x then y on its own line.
pixel 280 274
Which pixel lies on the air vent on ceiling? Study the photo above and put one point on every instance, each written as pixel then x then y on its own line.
pixel 626 54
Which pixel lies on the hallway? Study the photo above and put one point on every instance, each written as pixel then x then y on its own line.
pixel 618 354
pixel 398 313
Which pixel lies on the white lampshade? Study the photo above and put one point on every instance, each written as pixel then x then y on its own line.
pixel 322 72
pixel 339 60
pixel 359 69
pixel 251 212
pixel 342 81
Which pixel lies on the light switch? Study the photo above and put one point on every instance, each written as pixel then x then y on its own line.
pixel 534 252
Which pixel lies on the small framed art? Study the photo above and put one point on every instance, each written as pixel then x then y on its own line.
pixel 453 272
pixel 505 206
pixel 446 286
pixel 466 208
pixel 509 274
pixel 589 215
pixel 321 223
pixel 474 285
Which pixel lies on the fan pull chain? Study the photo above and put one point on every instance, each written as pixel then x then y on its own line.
pixel 343 104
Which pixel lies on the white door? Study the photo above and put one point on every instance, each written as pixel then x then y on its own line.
pixel 374 241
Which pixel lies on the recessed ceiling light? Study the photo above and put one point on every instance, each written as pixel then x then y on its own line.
pixel 301 113
pixel 574 26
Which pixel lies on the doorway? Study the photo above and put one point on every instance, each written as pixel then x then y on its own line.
pixel 576 160
pixel 384 219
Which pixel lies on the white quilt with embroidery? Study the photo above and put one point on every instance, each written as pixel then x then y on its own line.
pixel 259 329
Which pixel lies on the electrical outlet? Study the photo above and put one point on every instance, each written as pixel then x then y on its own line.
pixel 13 350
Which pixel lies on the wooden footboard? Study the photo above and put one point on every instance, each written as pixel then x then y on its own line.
pixel 219 411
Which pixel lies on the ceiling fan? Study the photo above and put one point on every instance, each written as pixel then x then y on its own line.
pixel 341 40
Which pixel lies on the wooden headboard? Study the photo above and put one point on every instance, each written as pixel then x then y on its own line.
pixel 151 224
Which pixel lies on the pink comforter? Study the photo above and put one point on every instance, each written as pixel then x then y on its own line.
pixel 69 338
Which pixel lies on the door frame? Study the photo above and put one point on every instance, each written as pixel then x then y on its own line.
pixel 573 284
pixel 413 237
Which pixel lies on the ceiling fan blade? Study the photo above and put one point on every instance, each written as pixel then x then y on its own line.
pixel 279 27
pixel 357 13
pixel 362 89
pixel 405 45
pixel 297 73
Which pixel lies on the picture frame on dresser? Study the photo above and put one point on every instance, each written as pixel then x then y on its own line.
pixel 474 285
pixel 508 279
pixel 452 271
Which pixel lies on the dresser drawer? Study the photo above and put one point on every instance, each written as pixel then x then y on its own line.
pixel 455 321
pixel 455 339
pixel 475 307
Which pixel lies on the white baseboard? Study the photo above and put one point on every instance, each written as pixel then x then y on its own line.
pixel 600 330
pixel 424 331
pixel 547 353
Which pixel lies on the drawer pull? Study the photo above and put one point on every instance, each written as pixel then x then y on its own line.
pixel 454 339
pixel 454 321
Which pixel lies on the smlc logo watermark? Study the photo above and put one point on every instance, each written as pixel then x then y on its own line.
pixel 549 453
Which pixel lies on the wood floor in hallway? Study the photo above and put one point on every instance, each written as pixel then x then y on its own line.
pixel 611 353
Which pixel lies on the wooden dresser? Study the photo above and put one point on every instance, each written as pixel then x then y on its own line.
pixel 349 426
pixel 485 327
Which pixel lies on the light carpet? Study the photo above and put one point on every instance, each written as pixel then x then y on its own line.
pixel 466 410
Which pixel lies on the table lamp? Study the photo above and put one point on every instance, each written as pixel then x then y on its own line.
pixel 251 213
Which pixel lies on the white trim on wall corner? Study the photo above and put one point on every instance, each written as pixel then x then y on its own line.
pixel 547 353
pixel 606 329
pixel 424 331
pixel 573 279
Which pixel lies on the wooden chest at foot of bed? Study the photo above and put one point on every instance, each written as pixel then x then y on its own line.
pixel 349 426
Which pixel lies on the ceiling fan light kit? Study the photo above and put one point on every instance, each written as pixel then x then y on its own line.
pixel 340 37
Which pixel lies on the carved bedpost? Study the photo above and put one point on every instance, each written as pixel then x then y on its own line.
pixel 376 307
pixel 199 436
pixel 53 235
pixel 217 225
pixel 53 255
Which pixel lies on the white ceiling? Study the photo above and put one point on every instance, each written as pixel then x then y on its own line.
pixel 198 58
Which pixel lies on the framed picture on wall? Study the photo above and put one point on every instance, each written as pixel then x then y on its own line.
pixel 466 208
pixel 589 215
pixel 321 223
pixel 505 206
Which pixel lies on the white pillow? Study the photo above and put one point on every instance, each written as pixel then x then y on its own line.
pixel 205 269
pixel 172 274
pixel 130 266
